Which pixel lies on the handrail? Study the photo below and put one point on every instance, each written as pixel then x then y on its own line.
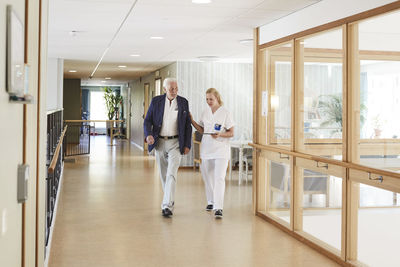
pixel 57 151
pixel 93 120
pixel 328 161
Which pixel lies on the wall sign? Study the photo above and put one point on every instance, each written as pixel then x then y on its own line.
pixel 15 54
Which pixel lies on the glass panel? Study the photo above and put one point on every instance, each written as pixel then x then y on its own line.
pixel 379 58
pixel 322 86
pixel 322 207
pixel 378 223
pixel 274 189
pixel 277 95
pixel 279 190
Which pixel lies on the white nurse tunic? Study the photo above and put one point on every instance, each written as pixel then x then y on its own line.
pixel 220 121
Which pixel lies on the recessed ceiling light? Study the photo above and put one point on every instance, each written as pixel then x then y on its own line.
pixel 209 58
pixel 107 78
pixel 73 33
pixel 135 55
pixel 121 66
pixel 103 81
pixel 156 37
pixel 72 70
pixel 201 1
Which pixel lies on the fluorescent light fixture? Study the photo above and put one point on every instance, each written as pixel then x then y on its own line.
pixel 156 37
pixel 135 55
pixel 103 81
pixel 246 41
pixel 107 78
pixel 72 71
pixel 121 66
pixel 201 1
pixel 208 58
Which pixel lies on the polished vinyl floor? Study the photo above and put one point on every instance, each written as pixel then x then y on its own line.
pixel 109 215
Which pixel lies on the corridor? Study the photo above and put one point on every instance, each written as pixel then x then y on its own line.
pixel 109 215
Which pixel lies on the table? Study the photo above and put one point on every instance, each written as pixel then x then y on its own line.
pixel 241 145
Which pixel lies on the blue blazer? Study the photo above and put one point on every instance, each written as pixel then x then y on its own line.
pixel 154 119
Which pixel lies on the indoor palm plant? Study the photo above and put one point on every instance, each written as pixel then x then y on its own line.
pixel 112 102
pixel 331 110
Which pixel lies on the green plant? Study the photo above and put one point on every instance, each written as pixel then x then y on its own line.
pixel 331 108
pixel 112 101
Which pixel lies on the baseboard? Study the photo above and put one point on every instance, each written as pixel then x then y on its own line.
pixel 53 221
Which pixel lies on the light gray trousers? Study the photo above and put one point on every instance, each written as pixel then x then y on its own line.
pixel 168 159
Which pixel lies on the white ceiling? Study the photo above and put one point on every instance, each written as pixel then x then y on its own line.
pixel 189 31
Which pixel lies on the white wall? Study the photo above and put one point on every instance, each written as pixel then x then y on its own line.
pixel 320 13
pixel 12 144
pixel 11 116
pixel 55 76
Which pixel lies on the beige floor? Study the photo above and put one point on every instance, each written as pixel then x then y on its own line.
pixel 109 215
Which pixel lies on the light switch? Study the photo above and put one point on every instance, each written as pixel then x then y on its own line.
pixel 23 178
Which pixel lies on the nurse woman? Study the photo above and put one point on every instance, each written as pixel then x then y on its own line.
pixel 216 125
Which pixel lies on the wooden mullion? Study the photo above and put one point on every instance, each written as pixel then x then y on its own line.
pixel 256 113
pixel 353 134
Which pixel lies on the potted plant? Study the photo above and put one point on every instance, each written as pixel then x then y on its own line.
pixel 331 108
pixel 112 101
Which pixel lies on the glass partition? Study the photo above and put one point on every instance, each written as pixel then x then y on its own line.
pixel 274 190
pixel 321 203
pixel 279 190
pixel 277 96
pixel 378 221
pixel 334 94
pixel 379 59
pixel 321 71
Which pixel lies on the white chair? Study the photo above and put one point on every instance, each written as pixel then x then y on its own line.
pixel 248 160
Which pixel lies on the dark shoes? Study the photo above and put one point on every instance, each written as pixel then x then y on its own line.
pixel 218 214
pixel 166 212
pixel 209 207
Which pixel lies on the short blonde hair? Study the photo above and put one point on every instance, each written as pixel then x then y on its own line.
pixel 216 94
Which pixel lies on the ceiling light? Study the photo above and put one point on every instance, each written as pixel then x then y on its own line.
pixel 121 66
pixel 208 58
pixel 156 37
pixel 135 55
pixel 72 71
pixel 201 1
pixel 103 81
pixel 246 41
pixel 107 78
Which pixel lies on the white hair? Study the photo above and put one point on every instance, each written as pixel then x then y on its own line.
pixel 168 81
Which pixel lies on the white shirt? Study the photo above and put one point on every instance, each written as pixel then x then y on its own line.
pixel 169 125
pixel 220 121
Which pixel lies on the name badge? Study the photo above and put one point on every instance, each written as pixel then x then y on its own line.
pixel 217 127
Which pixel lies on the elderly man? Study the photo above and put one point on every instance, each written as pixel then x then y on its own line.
pixel 167 128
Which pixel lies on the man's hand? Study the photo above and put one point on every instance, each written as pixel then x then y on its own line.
pixel 186 150
pixel 150 139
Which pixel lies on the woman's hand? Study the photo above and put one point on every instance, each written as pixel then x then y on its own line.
pixel 216 135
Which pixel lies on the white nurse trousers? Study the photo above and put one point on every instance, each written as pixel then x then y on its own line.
pixel 213 172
